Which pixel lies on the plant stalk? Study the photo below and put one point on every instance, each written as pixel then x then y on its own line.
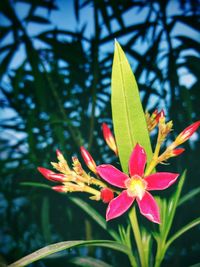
pixel 137 235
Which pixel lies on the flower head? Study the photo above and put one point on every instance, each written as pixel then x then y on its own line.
pixel 135 186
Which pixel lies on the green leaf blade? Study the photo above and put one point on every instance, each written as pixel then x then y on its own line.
pixel 181 231
pixel 89 262
pixel 128 116
pixel 51 249
pixel 96 216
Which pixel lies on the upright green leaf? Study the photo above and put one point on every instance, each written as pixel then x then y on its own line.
pixel 128 116
pixel 181 231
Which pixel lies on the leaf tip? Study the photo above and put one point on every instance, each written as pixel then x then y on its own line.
pixel 117 45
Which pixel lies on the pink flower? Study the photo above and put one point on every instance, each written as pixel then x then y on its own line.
pixel 136 186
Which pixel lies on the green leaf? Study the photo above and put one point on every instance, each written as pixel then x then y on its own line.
pixel 94 215
pixel 34 184
pixel 195 265
pixel 182 231
pixel 89 262
pixel 100 220
pixel 188 196
pixel 125 235
pixel 168 209
pixel 51 249
pixel 45 220
pixel 128 116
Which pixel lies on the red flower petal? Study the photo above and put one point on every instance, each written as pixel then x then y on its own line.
pixel 119 205
pixel 137 161
pixel 112 175
pixel 149 208
pixel 160 180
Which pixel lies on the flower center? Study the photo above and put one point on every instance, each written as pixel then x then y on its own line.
pixel 136 186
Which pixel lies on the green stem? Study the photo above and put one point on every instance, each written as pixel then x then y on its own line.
pixel 154 160
pixel 137 235
pixel 132 260
pixel 159 255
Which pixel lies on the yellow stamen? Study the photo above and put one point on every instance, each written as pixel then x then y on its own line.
pixel 136 186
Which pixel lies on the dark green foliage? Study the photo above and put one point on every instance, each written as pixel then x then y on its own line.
pixel 59 94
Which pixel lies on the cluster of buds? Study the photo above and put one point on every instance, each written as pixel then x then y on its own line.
pixel 76 179
pixel 153 119
pixel 172 150
pixel 164 128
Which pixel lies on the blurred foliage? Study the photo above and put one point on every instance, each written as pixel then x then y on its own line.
pixel 58 94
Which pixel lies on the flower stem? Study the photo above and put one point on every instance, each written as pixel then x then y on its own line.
pixel 132 260
pixel 159 255
pixel 154 160
pixel 137 235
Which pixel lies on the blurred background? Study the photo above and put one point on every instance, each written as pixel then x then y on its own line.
pixel 55 68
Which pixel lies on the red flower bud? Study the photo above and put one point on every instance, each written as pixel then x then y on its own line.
pixel 160 115
pixel 46 173
pixel 187 133
pixel 59 188
pixel 57 177
pixel 88 159
pixel 106 195
pixel 58 153
pixel 177 152
pixel 109 138
pixel 154 114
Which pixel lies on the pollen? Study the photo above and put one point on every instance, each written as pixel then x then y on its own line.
pixel 136 186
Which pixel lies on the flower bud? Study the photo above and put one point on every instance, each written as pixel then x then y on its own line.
pixel 187 133
pixel 160 115
pixel 106 195
pixel 154 114
pixel 88 159
pixel 77 166
pixel 58 153
pixel 46 173
pixel 60 188
pixel 60 156
pixel 109 138
pixel 176 152
pixel 58 177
